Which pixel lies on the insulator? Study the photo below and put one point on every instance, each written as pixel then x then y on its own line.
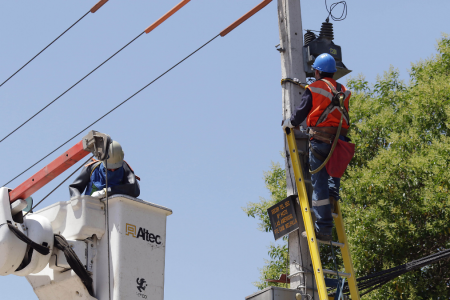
pixel 310 80
pixel 326 31
pixel 309 37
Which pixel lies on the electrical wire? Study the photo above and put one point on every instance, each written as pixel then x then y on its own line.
pixel 58 185
pixel 120 104
pixel 333 6
pixel 44 48
pixel 70 88
pixel 368 283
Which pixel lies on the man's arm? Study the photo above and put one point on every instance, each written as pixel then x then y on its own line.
pixel 80 184
pixel 130 185
pixel 302 111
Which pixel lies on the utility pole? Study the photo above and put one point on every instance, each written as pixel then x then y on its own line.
pixel 291 50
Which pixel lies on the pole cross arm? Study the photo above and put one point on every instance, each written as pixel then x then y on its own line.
pixel 94 142
pixel 245 17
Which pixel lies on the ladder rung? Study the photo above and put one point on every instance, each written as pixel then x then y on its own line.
pixel 332 243
pixel 347 275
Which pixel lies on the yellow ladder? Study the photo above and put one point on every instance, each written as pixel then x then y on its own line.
pixel 311 235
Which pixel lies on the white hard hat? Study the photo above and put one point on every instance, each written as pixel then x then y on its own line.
pixel 116 155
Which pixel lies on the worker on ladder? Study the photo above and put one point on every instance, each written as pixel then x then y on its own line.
pixel 323 117
pixel 121 178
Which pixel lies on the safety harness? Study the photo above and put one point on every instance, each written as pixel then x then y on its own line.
pixel 338 102
pixel 334 103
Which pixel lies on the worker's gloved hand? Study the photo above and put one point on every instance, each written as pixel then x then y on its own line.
pixel 99 194
pixel 287 123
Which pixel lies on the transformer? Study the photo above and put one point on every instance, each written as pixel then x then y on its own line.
pixel 314 46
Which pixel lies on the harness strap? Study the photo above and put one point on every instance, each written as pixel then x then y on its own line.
pixel 325 134
pixel 95 167
pixel 333 105
pixel 336 138
pixel 329 130
pixel 137 177
pixel 92 162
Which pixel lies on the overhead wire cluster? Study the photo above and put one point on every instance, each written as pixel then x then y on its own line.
pixel 147 30
pixel 92 10
pixel 367 283
pixel 373 281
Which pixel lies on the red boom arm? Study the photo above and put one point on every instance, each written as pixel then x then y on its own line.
pixel 49 172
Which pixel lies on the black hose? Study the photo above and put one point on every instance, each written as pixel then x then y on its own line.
pixel 74 262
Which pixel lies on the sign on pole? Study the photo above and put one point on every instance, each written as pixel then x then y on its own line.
pixel 282 217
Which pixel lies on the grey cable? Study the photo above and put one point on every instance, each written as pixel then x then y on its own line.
pixel 107 228
pixel 114 108
pixel 44 49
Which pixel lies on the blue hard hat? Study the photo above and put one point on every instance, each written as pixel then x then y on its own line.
pixel 325 63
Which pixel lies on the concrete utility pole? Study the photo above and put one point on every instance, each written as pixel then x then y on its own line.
pixel 291 47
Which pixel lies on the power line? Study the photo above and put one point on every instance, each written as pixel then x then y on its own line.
pixel 94 9
pixel 333 6
pixel 123 102
pixel 53 101
pixel 373 281
pixel 223 33
pixel 44 48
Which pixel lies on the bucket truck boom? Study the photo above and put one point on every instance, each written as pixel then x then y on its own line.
pixel 62 249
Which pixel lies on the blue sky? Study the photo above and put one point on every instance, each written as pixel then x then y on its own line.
pixel 201 137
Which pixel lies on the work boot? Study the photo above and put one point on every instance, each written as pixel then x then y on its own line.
pixel 320 236
pixel 333 203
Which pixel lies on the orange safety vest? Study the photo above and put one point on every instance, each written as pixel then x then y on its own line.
pixel 323 113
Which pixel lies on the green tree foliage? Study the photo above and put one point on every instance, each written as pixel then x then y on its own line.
pixel 396 201
pixel 275 180
pixel 396 191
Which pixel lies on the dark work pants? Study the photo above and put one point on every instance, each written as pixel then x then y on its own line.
pixel 324 187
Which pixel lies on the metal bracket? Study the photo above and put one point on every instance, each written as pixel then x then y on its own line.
pixel 91 254
pixel 279 49
pixel 97 143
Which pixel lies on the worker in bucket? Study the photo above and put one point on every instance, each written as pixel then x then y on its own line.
pixel 324 105
pixel 121 178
